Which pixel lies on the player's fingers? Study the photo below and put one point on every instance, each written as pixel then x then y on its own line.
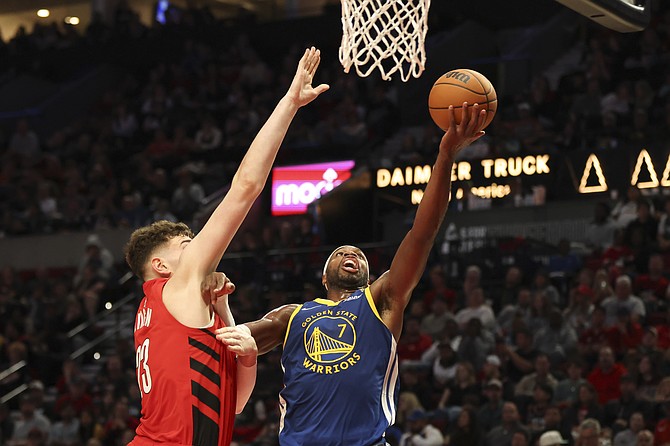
pixel 452 118
pixel 316 59
pixel 473 119
pixel 465 116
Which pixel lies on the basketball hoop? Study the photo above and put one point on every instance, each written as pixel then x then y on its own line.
pixel 387 35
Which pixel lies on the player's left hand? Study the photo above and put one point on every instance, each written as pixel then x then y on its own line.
pixel 216 286
pixel 466 132
pixel 239 341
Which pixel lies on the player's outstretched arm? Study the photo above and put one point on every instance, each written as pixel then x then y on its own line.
pixel 393 290
pixel 204 252
pixel 270 331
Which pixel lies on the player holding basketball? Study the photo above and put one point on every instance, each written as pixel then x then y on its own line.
pixel 339 358
pixel 191 384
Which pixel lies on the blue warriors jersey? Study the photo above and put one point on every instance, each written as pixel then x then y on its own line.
pixel 340 374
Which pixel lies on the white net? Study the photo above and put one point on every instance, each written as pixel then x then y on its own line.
pixel 387 35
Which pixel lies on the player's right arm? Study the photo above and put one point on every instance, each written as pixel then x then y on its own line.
pixel 181 294
pixel 270 330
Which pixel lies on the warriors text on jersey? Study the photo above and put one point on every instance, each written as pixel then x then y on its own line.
pixel 186 378
pixel 340 374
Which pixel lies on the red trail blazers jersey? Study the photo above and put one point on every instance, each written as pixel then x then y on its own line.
pixel 187 378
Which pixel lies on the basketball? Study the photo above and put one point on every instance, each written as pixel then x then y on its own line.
pixel 456 87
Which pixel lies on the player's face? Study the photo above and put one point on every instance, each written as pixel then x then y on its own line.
pixel 173 250
pixel 347 268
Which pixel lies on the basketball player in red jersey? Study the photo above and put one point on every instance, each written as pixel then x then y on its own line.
pixel 191 384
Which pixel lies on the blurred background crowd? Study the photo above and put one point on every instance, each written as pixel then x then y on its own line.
pixel 574 338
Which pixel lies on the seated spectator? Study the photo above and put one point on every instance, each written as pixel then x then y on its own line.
pixel 588 433
pixel 628 437
pixel 605 376
pixel 507 293
pixel 476 309
pixel 553 421
pixel 29 420
pixel 586 406
pixel 662 431
pixel 578 313
pixel 542 284
pixel 438 288
pixel 465 430
pixel 623 297
pixel 619 411
pixel 551 438
pixel 503 433
pixel 541 375
pixel 66 431
pixel 651 286
pixel 471 281
pixel 625 209
pixel 519 359
pixel 567 390
pixel 600 231
pixel 557 340
pixel 209 136
pixel 536 408
pixel 539 311
pixel 412 343
pixel 490 413
pixel 648 378
pixel 434 323
pixel 626 335
pixel 188 196
pixel 464 389
pixel 645 438
pixel 519 311
pixel 643 228
pixel 595 337
pixel 443 359
pixel 77 397
pixel 563 265
pixel 420 431
pixel 475 343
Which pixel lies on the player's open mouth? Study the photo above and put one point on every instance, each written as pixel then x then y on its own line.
pixel 350 266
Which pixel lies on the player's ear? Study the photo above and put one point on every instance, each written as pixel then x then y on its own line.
pixel 159 266
pixel 324 282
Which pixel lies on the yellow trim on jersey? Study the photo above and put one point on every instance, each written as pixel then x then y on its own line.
pixel 290 320
pixel 327 302
pixel 371 302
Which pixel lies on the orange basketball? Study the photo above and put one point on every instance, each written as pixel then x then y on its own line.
pixel 456 87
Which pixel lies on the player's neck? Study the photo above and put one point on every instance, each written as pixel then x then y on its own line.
pixel 338 294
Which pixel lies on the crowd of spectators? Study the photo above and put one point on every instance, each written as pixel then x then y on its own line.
pixel 575 341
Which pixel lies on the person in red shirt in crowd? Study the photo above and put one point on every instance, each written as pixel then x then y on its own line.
pixel 412 343
pixel 662 432
pixel 76 396
pixel 652 287
pixel 619 253
pixel 439 288
pixel 595 337
pixel 626 335
pixel 605 376
pixel 663 331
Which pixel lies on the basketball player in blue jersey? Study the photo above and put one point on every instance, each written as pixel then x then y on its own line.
pixel 339 359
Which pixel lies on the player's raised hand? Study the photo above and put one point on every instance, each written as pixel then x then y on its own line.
pixel 301 91
pixel 239 341
pixel 466 132
pixel 215 286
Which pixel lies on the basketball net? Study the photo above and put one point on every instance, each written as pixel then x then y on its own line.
pixel 388 35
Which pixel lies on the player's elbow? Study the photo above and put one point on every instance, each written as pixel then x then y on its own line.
pixel 247 185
